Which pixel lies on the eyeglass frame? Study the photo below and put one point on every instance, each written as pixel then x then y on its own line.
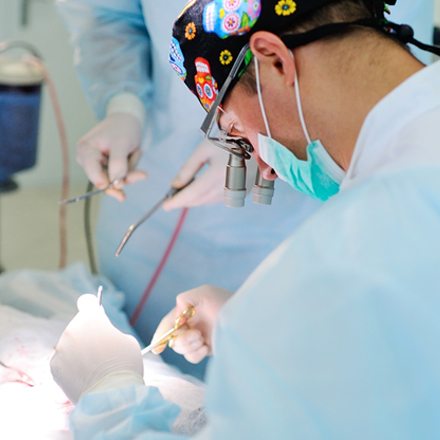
pixel 232 144
pixel 241 147
pixel 237 145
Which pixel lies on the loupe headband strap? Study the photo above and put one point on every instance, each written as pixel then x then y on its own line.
pixel 402 32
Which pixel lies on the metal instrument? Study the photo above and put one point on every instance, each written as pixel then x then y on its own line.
pixel 171 192
pixel 181 320
pixel 90 193
pixel 99 295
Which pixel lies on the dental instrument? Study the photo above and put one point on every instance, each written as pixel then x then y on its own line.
pixel 180 321
pixel 90 193
pixel 170 193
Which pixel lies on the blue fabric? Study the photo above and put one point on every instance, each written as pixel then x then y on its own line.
pixel 335 335
pixel 129 52
pixel 112 49
pixel 151 413
pixel 339 326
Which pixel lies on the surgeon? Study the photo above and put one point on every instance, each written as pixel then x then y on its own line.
pixel 335 334
pixel 121 55
pixel 122 58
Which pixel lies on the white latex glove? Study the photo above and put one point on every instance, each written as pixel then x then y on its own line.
pixel 194 340
pixel 92 354
pixel 111 151
pixel 208 186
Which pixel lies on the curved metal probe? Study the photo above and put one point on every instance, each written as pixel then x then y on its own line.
pixel 171 192
pixel 134 226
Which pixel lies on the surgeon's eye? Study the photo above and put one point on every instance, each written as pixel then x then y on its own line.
pixel 234 130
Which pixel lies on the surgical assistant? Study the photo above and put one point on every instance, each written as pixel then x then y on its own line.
pixel 334 335
pixel 121 54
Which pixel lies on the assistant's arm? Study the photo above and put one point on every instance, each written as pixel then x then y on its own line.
pixel 112 51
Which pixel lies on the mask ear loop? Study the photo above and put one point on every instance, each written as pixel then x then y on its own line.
pixel 298 103
pixel 300 110
pixel 260 97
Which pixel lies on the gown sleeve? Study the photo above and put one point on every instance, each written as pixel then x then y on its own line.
pixel 111 49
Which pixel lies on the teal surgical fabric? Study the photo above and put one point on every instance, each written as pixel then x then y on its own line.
pixel 318 176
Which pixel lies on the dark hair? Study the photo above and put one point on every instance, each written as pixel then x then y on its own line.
pixel 339 11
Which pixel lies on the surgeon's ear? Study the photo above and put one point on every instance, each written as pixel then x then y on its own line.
pixel 274 55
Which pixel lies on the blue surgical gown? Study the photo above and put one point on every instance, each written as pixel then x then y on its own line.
pixel 335 335
pixel 122 46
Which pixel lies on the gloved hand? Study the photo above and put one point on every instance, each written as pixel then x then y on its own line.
pixel 113 144
pixel 194 340
pixel 92 354
pixel 207 188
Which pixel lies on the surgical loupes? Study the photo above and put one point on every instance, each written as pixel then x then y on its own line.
pixel 262 191
pixel 235 184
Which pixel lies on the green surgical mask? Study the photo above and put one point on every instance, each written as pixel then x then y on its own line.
pixel 319 176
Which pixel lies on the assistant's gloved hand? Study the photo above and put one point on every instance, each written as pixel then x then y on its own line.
pixel 92 354
pixel 194 340
pixel 111 151
pixel 208 186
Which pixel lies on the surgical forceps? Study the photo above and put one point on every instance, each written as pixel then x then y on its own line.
pixel 90 193
pixel 180 321
pixel 170 193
